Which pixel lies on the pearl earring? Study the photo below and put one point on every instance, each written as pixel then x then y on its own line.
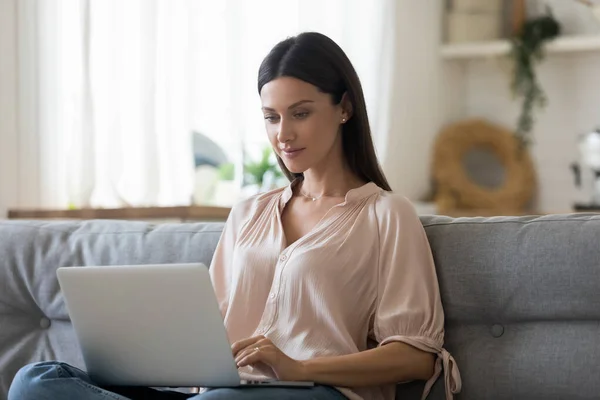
pixel 343 120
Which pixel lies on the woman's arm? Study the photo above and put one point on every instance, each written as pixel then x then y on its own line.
pixel 391 363
pixel 387 364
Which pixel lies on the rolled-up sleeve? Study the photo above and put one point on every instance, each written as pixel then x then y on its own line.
pixel 409 307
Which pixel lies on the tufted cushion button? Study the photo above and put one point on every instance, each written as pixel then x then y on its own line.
pixel 497 330
pixel 45 323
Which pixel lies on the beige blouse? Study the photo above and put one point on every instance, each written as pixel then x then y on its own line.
pixel 364 273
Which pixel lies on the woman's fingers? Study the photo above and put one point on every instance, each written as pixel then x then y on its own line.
pixel 264 354
pixel 254 356
pixel 243 353
pixel 261 345
pixel 242 344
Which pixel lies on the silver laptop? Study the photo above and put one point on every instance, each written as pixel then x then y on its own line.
pixel 151 325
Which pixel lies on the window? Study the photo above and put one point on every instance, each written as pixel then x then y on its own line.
pixel 120 87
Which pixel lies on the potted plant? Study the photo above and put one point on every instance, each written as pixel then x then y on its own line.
pixel 263 173
pixel 527 49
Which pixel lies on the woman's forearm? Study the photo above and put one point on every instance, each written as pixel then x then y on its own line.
pixel 391 363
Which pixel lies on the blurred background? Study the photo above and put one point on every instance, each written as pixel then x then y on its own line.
pixel 149 108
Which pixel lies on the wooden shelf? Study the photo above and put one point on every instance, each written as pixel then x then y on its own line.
pixel 195 213
pixel 566 44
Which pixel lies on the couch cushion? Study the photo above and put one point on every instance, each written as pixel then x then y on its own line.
pixel 522 304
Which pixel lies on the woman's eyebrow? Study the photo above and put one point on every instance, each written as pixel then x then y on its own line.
pixel 296 104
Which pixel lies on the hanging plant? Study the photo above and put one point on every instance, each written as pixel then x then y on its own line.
pixel 527 49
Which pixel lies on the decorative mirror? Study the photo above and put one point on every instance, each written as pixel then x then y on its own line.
pixel 481 167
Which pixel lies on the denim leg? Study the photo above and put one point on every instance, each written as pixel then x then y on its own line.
pixel 53 380
pixel 271 393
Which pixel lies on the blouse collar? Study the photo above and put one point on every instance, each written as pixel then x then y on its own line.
pixel 352 195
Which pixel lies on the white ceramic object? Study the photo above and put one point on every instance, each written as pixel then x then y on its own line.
pixel 589 150
pixel 589 168
pixel 227 193
pixel 205 182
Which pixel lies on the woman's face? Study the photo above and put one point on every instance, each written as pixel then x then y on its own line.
pixel 302 123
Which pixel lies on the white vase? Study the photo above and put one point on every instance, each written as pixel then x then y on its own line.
pixel 205 183
pixel 226 193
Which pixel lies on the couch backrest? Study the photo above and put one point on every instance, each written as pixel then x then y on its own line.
pixel 521 295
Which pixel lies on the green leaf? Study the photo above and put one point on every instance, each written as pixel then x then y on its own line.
pixel 255 171
pixel 227 172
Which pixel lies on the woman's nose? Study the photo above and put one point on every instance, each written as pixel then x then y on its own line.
pixel 285 133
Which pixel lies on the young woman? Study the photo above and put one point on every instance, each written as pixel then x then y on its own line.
pixel 330 279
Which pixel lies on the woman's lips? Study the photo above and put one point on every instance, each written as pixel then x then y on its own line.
pixel 292 153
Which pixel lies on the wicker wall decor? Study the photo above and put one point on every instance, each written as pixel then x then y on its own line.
pixel 455 190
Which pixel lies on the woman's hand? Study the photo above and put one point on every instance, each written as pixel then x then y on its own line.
pixel 259 352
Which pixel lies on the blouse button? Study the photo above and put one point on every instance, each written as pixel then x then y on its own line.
pixel 283 257
pixel 45 323
pixel 497 330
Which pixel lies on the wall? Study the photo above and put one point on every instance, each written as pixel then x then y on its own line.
pixel 8 105
pixel 572 84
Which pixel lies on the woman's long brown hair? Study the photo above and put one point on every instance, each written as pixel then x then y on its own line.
pixel 318 60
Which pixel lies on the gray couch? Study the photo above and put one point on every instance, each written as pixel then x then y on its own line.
pixel 521 295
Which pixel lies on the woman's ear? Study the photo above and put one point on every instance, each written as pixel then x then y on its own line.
pixel 347 109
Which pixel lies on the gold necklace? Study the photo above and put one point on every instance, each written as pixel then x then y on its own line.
pixel 315 198
pixel 310 197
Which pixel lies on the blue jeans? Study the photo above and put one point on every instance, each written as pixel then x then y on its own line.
pixel 57 381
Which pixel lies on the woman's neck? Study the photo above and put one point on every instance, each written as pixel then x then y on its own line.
pixel 332 177
pixel 333 182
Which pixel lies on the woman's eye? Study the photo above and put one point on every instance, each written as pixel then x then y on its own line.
pixel 271 118
pixel 301 115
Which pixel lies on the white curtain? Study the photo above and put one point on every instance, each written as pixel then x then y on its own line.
pixel 105 95
pixel 110 90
